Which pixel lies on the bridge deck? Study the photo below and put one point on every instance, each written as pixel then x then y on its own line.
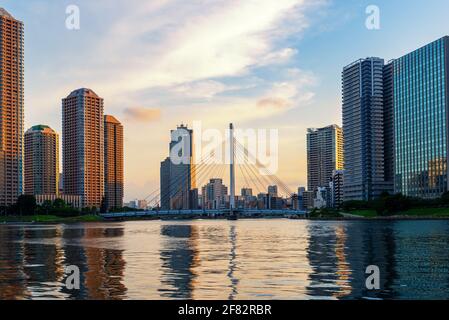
pixel 245 213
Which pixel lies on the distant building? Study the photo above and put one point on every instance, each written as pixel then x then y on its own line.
pixel 273 191
pixel 308 200
pixel 322 198
pixel 113 162
pixel 142 204
pixel 263 202
pixel 336 187
pixel 165 184
pixel 276 203
pixel 194 200
pixel 178 180
pixel 72 201
pixel 365 130
pixel 83 146
pixel 131 204
pixel 214 194
pixel 247 192
pixel 41 161
pixel 11 107
pixel 324 155
pixel 301 191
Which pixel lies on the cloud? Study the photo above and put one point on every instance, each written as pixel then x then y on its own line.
pixel 172 42
pixel 211 60
pixel 294 90
pixel 278 103
pixel 278 57
pixel 202 89
pixel 142 114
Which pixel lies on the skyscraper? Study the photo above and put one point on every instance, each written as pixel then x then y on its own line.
pixel 41 161
pixel 178 181
pixel 273 191
pixel 364 130
pixel 324 155
pixel 11 108
pixel 214 194
pixel 421 118
pixel 336 188
pixel 83 146
pixel 113 162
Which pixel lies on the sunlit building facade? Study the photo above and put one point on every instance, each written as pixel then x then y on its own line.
pixel 324 155
pixel 421 96
pixel 41 161
pixel 11 108
pixel 113 162
pixel 83 146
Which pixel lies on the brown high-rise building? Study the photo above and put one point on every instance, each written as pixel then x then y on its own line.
pixel 41 161
pixel 113 162
pixel 11 108
pixel 83 146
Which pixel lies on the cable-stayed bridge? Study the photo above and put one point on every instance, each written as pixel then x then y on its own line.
pixel 171 201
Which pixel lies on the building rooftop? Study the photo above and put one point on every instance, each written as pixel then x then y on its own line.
pixel 111 119
pixel 41 128
pixel 83 92
pixel 4 13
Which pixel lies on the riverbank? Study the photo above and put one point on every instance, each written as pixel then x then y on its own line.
pixel 49 219
pixel 417 213
pixel 412 214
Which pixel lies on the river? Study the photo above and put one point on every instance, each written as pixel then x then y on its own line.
pixel 218 259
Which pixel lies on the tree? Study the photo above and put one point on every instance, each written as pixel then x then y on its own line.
pixel 26 204
pixel 59 204
pixel 47 206
pixel 104 205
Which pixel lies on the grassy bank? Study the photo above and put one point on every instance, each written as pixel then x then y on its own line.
pixel 414 213
pixel 49 219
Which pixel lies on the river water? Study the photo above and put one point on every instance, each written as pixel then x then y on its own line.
pixel 217 259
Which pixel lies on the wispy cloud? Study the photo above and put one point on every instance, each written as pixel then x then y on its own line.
pixel 141 114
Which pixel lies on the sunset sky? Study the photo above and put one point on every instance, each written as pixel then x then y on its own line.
pixel 257 63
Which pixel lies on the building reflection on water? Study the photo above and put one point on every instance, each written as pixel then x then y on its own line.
pixel 33 264
pixel 264 259
pixel 179 255
pixel 233 264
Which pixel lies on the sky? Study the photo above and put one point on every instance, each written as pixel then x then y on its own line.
pixel 261 64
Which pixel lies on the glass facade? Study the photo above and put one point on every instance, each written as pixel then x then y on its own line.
pixel 420 121
pixel 364 130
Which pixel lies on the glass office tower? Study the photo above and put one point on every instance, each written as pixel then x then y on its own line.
pixel 421 121
pixel 364 130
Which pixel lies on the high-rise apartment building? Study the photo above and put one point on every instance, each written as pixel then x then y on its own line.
pixel 421 119
pixel 324 155
pixel 178 181
pixel 364 129
pixel 83 146
pixel 214 194
pixel 336 189
pixel 11 108
pixel 113 162
pixel 273 191
pixel 41 161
